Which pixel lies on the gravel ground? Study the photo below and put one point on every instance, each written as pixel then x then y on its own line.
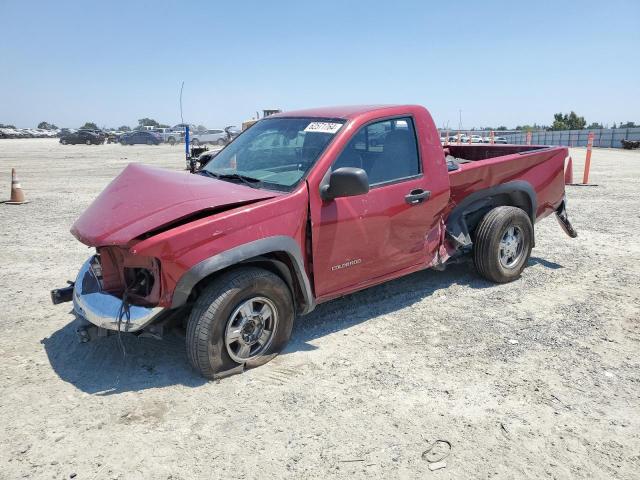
pixel 538 378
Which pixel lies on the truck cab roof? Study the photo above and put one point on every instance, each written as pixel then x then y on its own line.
pixel 346 112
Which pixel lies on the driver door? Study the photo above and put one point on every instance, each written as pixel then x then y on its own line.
pixel 359 239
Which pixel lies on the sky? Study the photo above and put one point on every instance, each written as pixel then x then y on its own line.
pixel 500 63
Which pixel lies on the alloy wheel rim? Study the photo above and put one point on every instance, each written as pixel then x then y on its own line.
pixel 511 246
pixel 250 329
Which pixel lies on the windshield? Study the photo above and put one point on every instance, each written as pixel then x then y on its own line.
pixel 275 152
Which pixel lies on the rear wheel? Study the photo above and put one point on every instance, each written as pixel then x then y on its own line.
pixel 503 242
pixel 195 142
pixel 88 142
pixel 241 320
pixel 171 141
pixel 221 141
pixel 63 141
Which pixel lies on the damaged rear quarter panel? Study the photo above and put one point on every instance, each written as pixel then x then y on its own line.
pixel 543 170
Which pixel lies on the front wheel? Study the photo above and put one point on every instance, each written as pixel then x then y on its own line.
pixel 221 141
pixel 502 245
pixel 241 320
pixel 195 142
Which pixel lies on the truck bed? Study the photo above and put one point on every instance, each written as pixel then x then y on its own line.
pixel 483 151
pixel 480 166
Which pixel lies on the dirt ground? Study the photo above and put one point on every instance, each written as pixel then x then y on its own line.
pixel 539 378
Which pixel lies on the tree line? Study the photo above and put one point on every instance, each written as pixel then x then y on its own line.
pixel 566 121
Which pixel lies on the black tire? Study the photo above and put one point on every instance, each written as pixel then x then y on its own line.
pixel 489 234
pixel 221 141
pixel 63 141
pixel 195 142
pixel 206 347
pixel 171 141
pixel 88 142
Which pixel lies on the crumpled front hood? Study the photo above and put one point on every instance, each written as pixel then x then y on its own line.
pixel 144 198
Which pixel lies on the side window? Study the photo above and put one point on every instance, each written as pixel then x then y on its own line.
pixel 386 150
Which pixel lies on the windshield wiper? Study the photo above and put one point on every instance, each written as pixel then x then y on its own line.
pixel 247 180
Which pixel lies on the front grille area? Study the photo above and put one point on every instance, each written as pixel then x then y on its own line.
pixel 138 276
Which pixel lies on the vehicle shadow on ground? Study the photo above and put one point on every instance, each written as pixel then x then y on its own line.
pixel 544 263
pixel 362 306
pixel 101 368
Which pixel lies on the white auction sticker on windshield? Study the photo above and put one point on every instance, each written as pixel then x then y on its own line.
pixel 323 127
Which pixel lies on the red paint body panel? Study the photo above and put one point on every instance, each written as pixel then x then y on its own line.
pixel 543 169
pixel 388 237
pixel 380 230
pixel 181 248
pixel 143 198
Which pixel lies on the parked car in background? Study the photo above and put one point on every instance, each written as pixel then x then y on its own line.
pixel 81 136
pixel 217 136
pixel 169 135
pixel 112 137
pixel 178 133
pixel 15 133
pixel 8 133
pixel 501 140
pixel 140 137
pixel 476 139
pixel 175 136
pixel 97 132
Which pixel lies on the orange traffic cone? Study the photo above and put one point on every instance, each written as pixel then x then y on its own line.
pixel 568 173
pixel 17 195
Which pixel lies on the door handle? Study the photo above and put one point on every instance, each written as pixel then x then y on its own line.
pixel 417 196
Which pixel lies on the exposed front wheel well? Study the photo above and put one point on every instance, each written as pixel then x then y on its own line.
pixel 278 263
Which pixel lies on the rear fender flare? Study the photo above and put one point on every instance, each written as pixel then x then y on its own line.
pixel 253 252
pixel 517 193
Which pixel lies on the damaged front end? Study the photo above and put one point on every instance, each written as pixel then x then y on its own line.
pixel 114 292
pixel 121 289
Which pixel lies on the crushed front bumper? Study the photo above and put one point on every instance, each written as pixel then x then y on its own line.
pixel 105 310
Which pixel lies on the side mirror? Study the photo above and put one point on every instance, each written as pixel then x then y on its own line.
pixel 345 182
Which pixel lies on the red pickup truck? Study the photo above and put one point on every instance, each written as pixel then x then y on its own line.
pixel 301 208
